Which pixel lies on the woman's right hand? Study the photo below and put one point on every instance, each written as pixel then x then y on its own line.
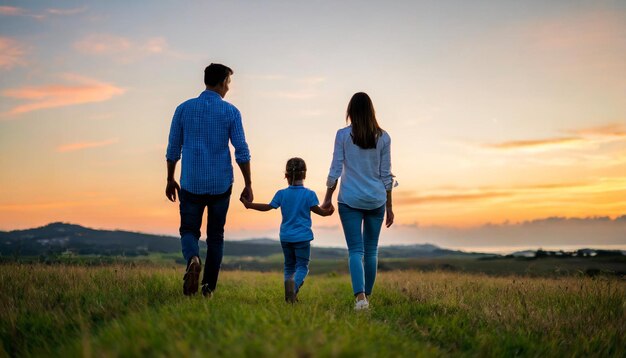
pixel 390 217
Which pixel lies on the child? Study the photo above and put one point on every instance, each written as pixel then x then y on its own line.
pixel 296 203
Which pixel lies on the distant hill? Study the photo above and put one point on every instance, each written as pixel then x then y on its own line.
pixel 57 238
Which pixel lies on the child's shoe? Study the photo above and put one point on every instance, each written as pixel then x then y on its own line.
pixel 290 290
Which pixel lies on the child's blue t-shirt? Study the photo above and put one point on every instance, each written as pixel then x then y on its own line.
pixel 295 204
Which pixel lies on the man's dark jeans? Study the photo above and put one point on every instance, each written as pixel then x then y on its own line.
pixel 191 212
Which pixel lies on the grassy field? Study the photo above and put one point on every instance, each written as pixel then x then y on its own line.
pixel 496 266
pixel 126 310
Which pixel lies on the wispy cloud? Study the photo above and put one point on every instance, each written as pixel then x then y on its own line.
pixel 72 147
pixel 119 48
pixel 547 191
pixel 575 139
pixel 72 11
pixel 11 11
pixel 103 44
pixel 450 198
pixel 84 90
pixel 608 130
pixel 535 143
pixel 11 53
pixel 18 11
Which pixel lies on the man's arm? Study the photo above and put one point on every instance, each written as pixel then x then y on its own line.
pixel 172 186
pixel 173 153
pixel 247 190
pixel 242 153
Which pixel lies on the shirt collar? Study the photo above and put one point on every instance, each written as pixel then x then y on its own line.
pixel 209 94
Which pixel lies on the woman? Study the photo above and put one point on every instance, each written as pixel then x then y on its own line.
pixel 362 158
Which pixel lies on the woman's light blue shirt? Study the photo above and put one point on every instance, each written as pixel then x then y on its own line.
pixel 365 173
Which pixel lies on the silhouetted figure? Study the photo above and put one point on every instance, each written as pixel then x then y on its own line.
pixel 362 159
pixel 202 129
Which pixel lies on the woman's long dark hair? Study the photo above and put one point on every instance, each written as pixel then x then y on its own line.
pixel 361 114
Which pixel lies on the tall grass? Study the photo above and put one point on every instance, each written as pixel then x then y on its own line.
pixel 140 311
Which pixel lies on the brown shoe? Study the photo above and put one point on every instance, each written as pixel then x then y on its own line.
pixel 290 291
pixel 190 280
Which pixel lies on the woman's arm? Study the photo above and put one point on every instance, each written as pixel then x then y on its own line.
pixel 328 198
pixel 389 210
pixel 385 163
pixel 387 177
pixel 336 167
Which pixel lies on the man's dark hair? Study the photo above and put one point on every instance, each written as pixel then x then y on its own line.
pixel 216 73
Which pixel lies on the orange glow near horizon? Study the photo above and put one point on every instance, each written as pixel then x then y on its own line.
pixel 458 208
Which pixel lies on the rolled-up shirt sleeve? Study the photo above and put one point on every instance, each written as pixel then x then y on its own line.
pixel 175 142
pixel 336 166
pixel 238 139
pixel 385 163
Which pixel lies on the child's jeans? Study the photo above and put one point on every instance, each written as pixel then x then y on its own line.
pixel 297 256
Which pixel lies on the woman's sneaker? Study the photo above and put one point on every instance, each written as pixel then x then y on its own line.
pixel 190 280
pixel 361 305
pixel 290 291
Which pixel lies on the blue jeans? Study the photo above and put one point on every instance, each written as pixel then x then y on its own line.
pixel 362 229
pixel 191 212
pixel 297 257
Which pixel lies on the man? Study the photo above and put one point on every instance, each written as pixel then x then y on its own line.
pixel 202 128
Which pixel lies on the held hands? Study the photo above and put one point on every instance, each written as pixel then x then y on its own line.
pixel 246 202
pixel 247 194
pixel 328 208
pixel 172 189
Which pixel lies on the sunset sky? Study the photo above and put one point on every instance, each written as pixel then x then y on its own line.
pixel 500 112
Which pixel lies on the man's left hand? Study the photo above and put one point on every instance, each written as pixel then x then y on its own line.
pixel 172 189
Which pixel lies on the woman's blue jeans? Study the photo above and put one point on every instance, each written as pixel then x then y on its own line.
pixel 362 229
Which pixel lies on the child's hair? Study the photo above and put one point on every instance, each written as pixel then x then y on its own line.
pixel 295 170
